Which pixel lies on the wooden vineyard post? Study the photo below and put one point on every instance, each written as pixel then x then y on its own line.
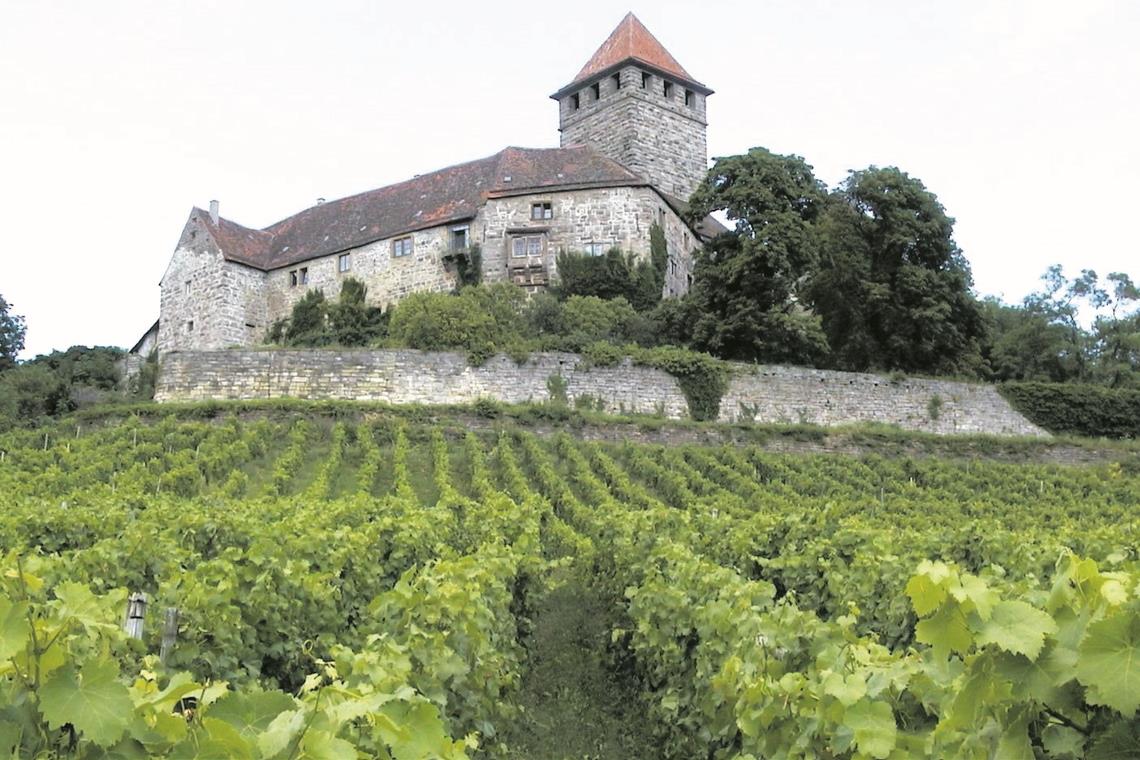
pixel 136 614
pixel 169 634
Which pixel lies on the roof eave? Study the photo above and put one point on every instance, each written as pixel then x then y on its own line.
pixel 510 192
pixel 578 84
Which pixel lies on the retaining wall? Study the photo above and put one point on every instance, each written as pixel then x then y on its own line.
pixel 755 393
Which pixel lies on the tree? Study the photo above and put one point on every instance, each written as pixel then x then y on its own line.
pixel 351 320
pixel 12 331
pixel 746 283
pixel 893 289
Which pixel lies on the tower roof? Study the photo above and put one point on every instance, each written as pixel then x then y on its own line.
pixel 631 41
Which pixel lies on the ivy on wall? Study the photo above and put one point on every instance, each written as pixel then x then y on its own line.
pixel 1085 410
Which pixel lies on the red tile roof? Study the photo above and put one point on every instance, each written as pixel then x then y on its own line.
pixel 632 41
pixel 429 200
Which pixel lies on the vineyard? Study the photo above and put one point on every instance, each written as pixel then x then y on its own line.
pixel 373 589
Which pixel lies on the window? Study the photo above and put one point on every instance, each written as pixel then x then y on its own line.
pixel 541 210
pixel 343 262
pixel 597 249
pixel 596 88
pixel 186 288
pixel 617 81
pixel 190 325
pixel 293 278
pixel 667 88
pixel 526 245
pixel 304 275
pixel 402 246
pixel 690 98
pixel 459 238
pixel 575 101
pixel 644 79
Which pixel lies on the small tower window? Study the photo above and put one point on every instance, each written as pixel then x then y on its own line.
pixel 644 80
pixel 575 101
pixel 617 81
pixel 690 98
pixel 596 88
pixel 667 88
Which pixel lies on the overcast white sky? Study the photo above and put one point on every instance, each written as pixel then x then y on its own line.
pixel 117 117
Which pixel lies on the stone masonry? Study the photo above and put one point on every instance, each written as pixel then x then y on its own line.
pixel 652 124
pixel 755 394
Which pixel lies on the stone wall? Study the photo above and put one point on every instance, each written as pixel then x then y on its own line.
pixel 655 135
pixel 820 397
pixel 616 216
pixel 759 394
pixel 410 377
pixel 389 278
pixel 206 302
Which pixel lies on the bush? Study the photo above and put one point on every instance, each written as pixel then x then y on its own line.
pixel 30 392
pixel 480 320
pixel 703 379
pixel 1085 410
pixel 616 274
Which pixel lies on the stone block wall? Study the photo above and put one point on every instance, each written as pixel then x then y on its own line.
pixel 401 376
pixel 821 397
pixel 655 135
pixel 389 278
pixel 207 302
pixel 759 394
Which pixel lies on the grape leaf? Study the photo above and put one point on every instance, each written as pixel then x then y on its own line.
pixel 251 714
pixel 926 589
pixel 945 632
pixel 222 742
pixel 280 731
pixel 973 590
pixel 847 690
pixel 92 700
pixel 1109 663
pixel 322 745
pixel 874 727
pixel 13 627
pixel 1017 626
pixel 1120 742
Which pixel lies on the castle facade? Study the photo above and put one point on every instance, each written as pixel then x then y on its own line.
pixel 632 149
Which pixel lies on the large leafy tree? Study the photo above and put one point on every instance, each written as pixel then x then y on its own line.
pixel 893 289
pixel 12 330
pixel 745 296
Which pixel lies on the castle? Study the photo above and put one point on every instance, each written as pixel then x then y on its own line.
pixel 632 149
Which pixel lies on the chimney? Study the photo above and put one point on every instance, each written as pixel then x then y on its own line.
pixel 214 212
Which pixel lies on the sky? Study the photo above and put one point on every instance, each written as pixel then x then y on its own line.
pixel 117 117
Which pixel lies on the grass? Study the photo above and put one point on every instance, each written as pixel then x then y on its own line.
pixel 573 707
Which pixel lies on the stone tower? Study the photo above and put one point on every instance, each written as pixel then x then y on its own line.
pixel 635 104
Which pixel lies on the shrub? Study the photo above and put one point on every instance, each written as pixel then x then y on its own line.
pixel 1087 410
pixel 616 274
pixel 703 379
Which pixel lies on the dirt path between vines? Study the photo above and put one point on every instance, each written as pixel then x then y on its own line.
pixel 574 707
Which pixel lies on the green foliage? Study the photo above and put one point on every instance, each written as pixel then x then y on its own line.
pixel 93 367
pixel 351 321
pixel 12 331
pixel 893 288
pixel 470 267
pixel 747 282
pixel 315 321
pixel 29 393
pixel 702 378
pixel 478 320
pixel 1074 409
pixel 556 386
pixel 616 275
pixel 768 604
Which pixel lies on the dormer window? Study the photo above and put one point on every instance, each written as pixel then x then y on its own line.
pixel 541 210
